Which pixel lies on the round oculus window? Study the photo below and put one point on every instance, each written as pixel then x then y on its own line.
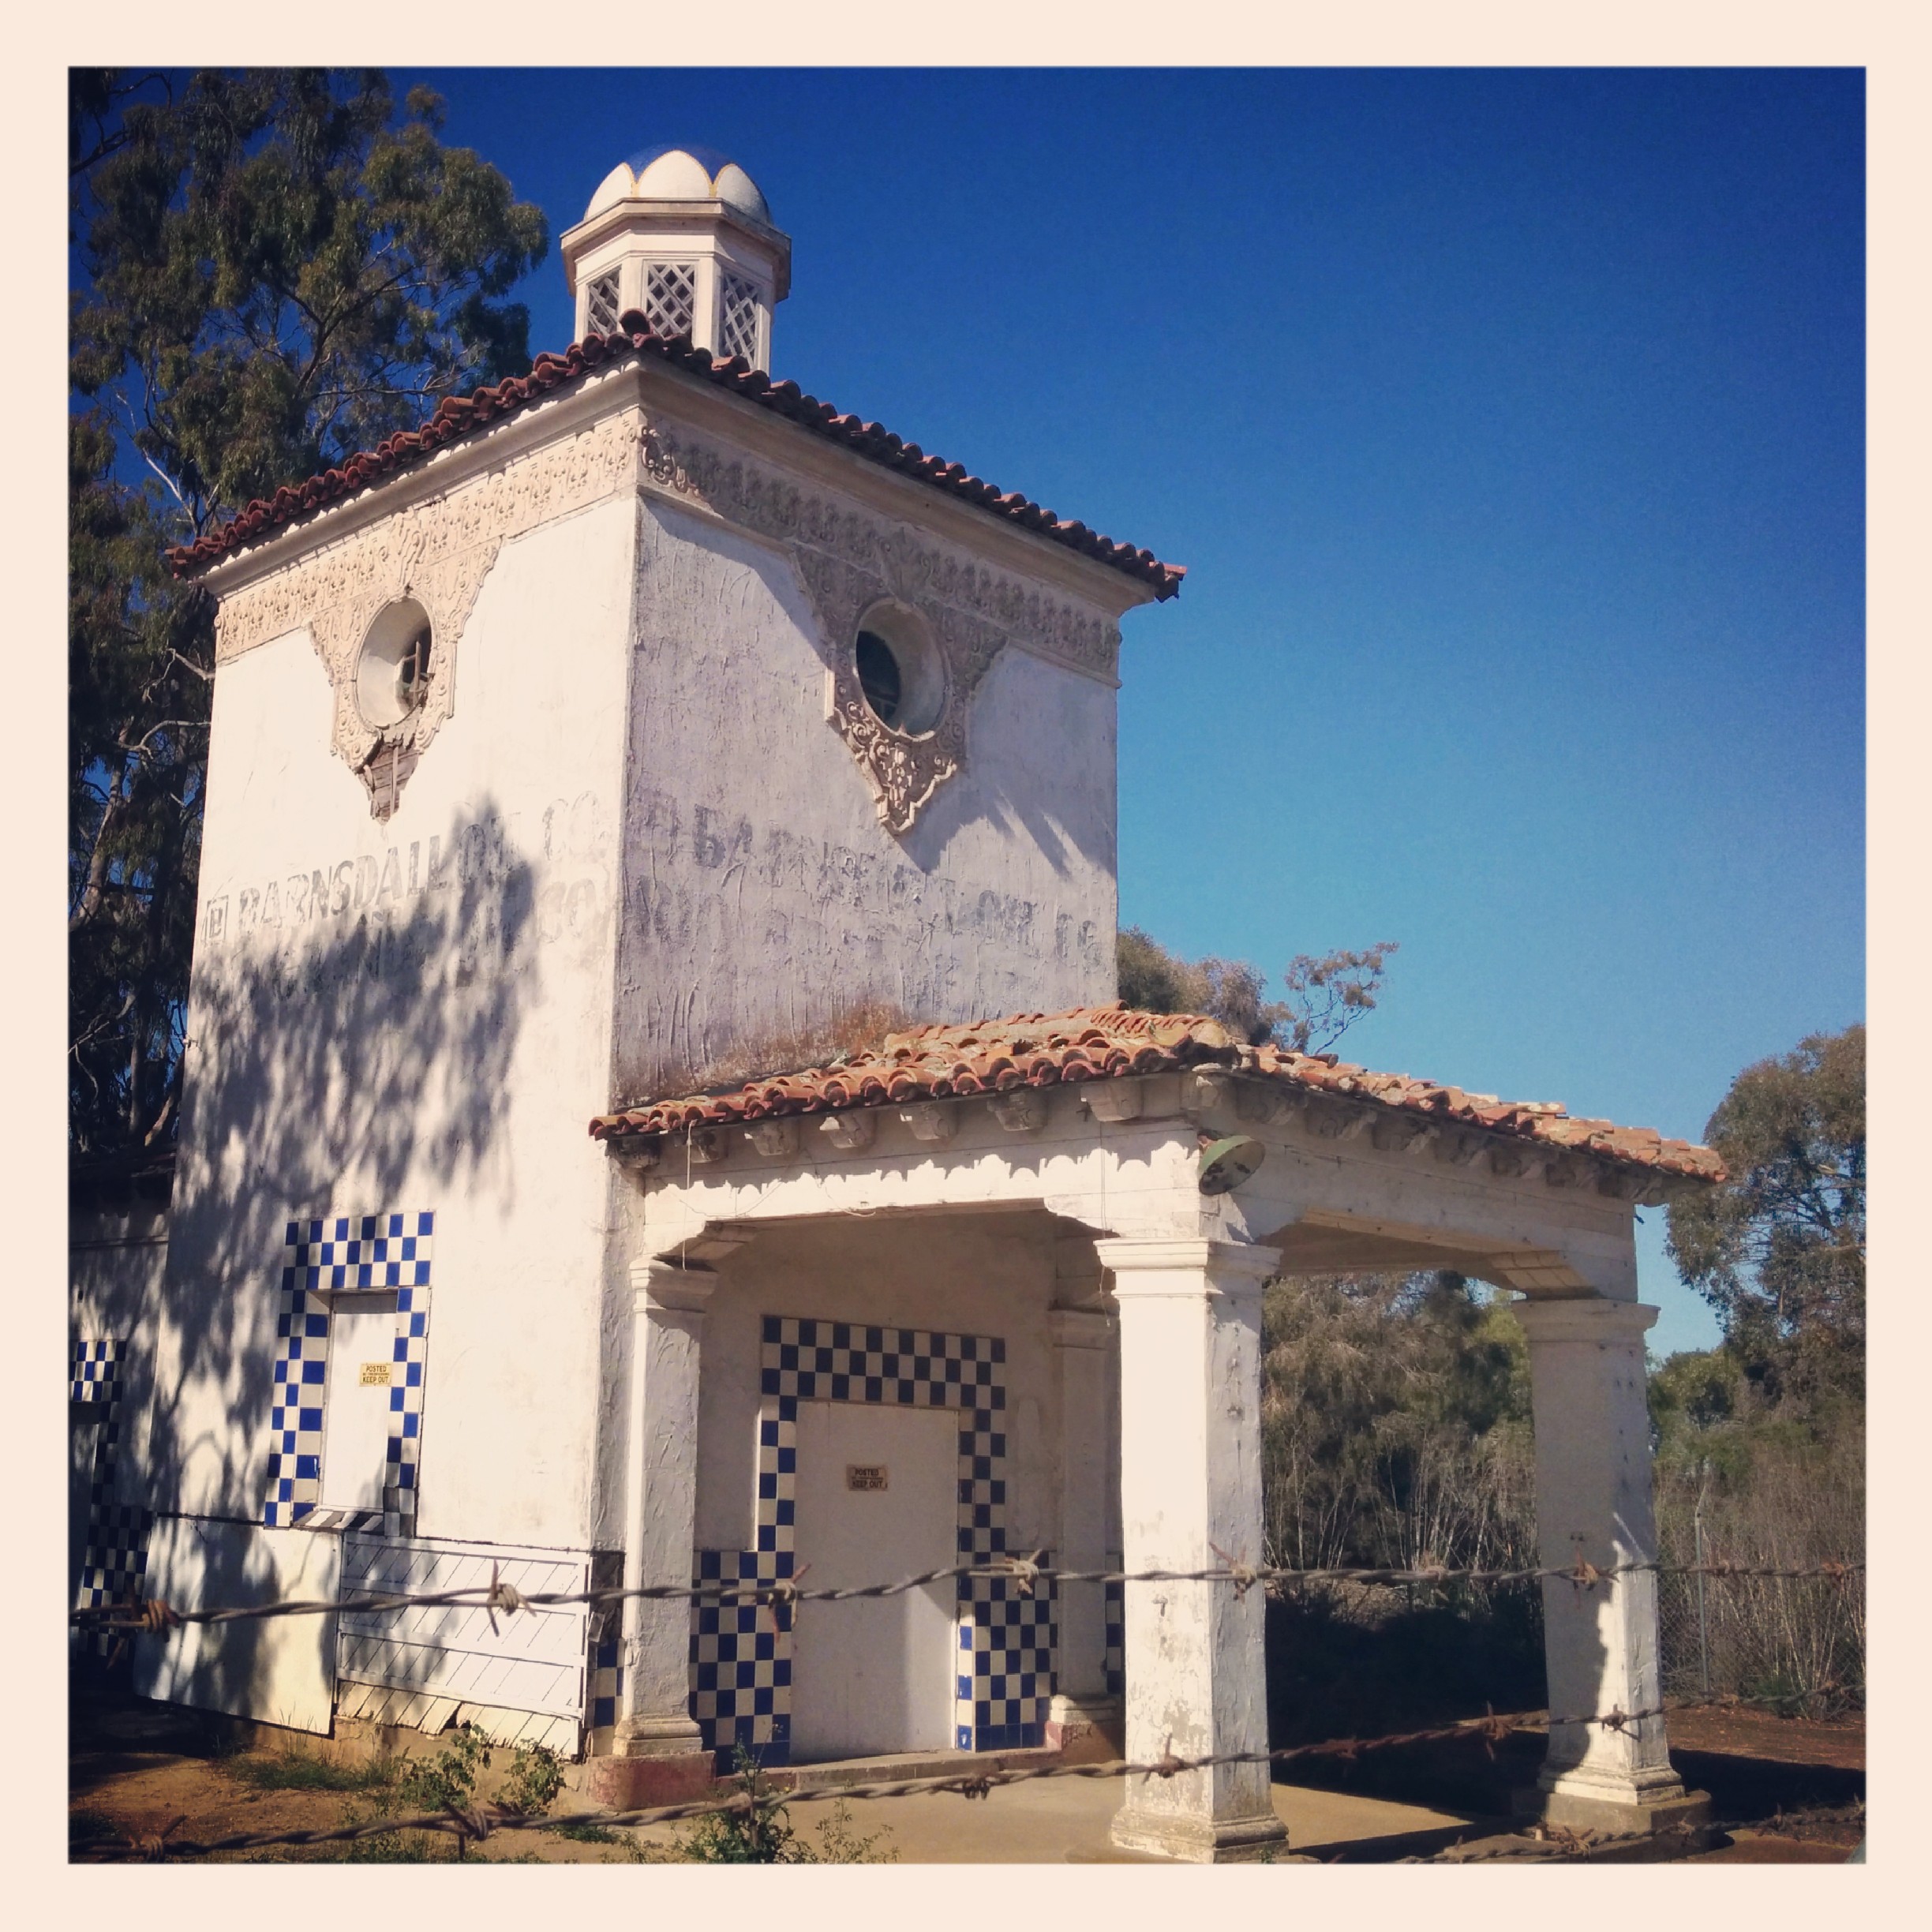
pixel 899 672
pixel 392 672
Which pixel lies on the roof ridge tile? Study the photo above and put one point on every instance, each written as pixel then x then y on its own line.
pixel 459 415
pixel 938 1060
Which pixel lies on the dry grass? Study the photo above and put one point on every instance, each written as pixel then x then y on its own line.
pixel 858 1028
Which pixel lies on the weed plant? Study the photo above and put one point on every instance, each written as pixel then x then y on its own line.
pixel 292 1769
pixel 763 1834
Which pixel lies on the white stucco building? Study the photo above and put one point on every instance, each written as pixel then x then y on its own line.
pixel 633 715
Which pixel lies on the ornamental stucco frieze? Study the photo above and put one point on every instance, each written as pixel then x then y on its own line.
pixel 849 558
pixel 437 550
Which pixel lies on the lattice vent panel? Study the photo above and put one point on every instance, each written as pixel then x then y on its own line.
pixel 603 304
pixel 738 319
pixel 671 297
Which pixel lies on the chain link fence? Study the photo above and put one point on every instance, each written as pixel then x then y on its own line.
pixel 1795 1640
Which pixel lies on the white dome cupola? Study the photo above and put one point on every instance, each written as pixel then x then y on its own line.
pixel 684 235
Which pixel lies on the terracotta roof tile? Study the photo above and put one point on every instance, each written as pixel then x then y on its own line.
pixel 1112 1043
pixel 456 417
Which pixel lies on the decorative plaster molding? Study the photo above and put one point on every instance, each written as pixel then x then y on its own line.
pixel 847 559
pixel 437 550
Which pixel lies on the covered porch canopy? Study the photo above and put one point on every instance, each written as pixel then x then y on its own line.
pixel 1173 1171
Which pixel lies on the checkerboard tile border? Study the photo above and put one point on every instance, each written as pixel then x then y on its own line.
pixel 1115 1596
pixel 114 1561
pixel 606 1679
pixel 96 1373
pixel 347 1254
pixel 604 1629
pixel 741 1658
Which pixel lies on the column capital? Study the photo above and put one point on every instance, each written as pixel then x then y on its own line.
pixel 1584 1318
pixel 660 1286
pixel 1159 1265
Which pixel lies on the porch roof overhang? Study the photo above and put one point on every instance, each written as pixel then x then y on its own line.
pixel 1099 1117
pixel 1106 1043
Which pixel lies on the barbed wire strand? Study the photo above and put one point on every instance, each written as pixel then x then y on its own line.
pixel 479 1822
pixel 154 1614
pixel 1552 1843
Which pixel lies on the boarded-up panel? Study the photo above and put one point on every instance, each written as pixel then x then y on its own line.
pixel 275 1669
pixel 530 1664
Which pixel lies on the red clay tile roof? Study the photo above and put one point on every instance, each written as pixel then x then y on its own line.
pixel 457 416
pixel 1112 1043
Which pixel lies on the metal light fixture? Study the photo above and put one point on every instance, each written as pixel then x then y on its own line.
pixel 1226 1163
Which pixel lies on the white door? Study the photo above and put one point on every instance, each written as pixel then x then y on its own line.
pixel 356 1415
pixel 877 1495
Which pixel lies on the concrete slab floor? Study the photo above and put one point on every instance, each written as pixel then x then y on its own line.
pixel 1066 1820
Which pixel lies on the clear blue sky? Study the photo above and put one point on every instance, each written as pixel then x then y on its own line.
pixel 1511 426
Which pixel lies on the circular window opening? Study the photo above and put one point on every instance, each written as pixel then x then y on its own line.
pixel 392 674
pixel 899 669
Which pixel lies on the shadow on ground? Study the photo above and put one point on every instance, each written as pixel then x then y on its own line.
pixel 1331 1677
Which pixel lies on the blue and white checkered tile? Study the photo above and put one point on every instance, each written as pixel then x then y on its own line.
pixel 361 1251
pixel 114 1560
pixel 741 1658
pixel 96 1372
pixel 851 1362
pixel 741 1667
pixel 604 1632
pixel 411 1351
pixel 606 1683
pixel 1009 1651
pixel 1115 1602
pixel 778 1473
pixel 320 1257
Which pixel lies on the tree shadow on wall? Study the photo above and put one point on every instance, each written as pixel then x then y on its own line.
pixel 353 1060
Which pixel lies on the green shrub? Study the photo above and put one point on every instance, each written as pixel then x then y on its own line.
pixel 535 1776
pixel 763 1833
pixel 760 1835
pixel 839 1843
pixel 296 1770
pixel 445 1781
pixel 587 1831
pixel 449 1778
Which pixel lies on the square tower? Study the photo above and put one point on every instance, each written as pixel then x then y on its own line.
pixel 629 714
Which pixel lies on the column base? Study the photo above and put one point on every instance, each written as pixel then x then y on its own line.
pixel 668 1735
pixel 1665 1811
pixel 1199 1841
pixel 1086 1729
pixel 654 1760
pixel 637 1784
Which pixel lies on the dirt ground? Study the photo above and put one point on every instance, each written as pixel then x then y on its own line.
pixel 1756 1734
pixel 139 1772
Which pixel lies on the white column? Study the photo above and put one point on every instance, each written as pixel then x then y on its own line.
pixel 1190 1326
pixel 1081 1338
pixel 705 314
pixel 1592 1484
pixel 668 1305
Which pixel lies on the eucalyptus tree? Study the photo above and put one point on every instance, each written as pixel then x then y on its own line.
pixel 270 269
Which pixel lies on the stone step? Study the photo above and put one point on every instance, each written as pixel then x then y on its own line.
pixel 894 1767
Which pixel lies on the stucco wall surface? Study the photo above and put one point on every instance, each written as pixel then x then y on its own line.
pixel 760 889
pixel 115 1263
pixel 413 1017
pixel 955 1275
